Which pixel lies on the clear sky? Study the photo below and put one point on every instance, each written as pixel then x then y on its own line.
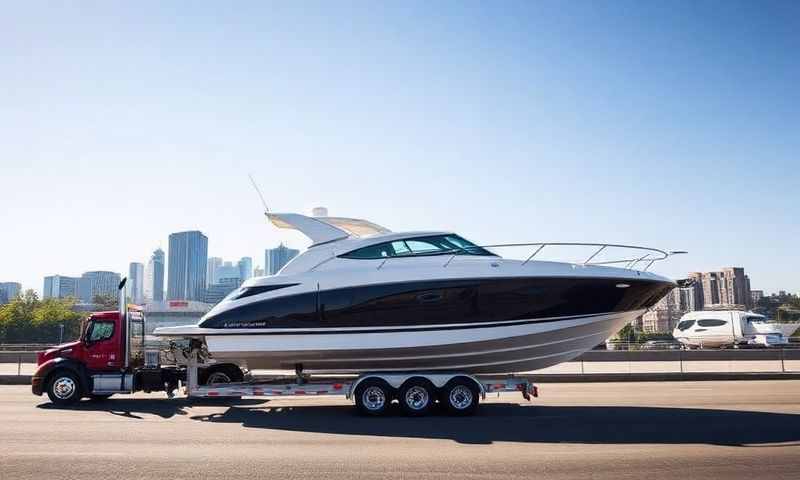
pixel 671 124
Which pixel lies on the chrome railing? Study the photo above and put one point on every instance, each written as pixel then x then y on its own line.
pixel 651 256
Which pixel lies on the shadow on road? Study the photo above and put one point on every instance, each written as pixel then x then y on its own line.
pixel 545 424
pixel 492 423
pixel 134 408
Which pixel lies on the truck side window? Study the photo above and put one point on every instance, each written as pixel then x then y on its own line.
pixel 101 331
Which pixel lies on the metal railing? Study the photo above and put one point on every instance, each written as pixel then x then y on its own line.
pixel 651 256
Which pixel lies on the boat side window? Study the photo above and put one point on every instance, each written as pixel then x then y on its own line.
pixel 686 324
pixel 422 246
pixel 711 323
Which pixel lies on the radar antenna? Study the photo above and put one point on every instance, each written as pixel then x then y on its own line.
pixel 258 191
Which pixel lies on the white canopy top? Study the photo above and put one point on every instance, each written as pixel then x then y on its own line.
pixel 326 229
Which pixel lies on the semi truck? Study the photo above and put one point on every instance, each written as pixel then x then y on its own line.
pixel 115 356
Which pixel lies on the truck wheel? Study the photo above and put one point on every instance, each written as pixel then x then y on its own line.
pixel 417 397
pixel 64 388
pixel 460 396
pixel 373 397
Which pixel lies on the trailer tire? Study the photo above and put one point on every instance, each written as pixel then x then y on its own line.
pixel 221 374
pixel 64 387
pixel 417 396
pixel 373 397
pixel 460 396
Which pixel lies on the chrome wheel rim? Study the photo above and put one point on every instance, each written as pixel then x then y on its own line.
pixel 373 398
pixel 417 398
pixel 460 397
pixel 64 388
pixel 217 378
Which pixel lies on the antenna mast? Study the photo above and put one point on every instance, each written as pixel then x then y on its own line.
pixel 266 209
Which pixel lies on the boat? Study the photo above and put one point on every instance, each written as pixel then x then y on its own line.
pixel 723 328
pixel 363 298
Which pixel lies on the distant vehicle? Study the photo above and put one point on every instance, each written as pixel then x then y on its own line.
pixel 719 329
pixel 661 345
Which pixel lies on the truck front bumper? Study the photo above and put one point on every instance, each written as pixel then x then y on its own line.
pixel 37 385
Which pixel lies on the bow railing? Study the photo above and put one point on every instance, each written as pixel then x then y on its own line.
pixel 646 256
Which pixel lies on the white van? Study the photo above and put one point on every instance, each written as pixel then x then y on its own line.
pixel 723 328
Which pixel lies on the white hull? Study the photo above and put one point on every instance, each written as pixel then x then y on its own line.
pixel 506 348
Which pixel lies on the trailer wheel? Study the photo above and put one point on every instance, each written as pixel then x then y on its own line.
pixel 373 397
pixel 218 374
pixel 460 396
pixel 417 397
pixel 64 388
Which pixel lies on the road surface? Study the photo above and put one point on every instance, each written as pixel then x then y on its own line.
pixel 668 430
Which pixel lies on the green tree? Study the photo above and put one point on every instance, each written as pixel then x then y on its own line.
pixel 30 320
pixel 106 302
pixel 16 318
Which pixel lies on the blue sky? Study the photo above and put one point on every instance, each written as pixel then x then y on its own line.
pixel 674 125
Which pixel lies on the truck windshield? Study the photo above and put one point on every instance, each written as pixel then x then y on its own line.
pixel 100 331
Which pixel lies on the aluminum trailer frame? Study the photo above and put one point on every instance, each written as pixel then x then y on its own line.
pixel 345 386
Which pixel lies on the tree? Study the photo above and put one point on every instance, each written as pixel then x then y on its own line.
pixel 29 320
pixel 106 302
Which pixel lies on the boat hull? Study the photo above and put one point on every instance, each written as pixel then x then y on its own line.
pixel 503 347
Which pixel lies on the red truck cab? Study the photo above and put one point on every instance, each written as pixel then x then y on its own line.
pixel 94 365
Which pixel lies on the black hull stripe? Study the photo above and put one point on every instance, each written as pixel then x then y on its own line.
pixel 411 329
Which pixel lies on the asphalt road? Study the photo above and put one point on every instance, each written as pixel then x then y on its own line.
pixel 603 430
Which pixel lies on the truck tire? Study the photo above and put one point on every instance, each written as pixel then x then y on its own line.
pixel 373 397
pixel 64 388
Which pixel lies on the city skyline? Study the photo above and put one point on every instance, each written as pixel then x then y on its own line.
pixel 630 123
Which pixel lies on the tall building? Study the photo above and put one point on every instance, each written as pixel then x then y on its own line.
pixel 135 282
pixel 154 277
pixel 10 290
pixel 245 265
pixel 216 292
pixel 734 286
pixel 188 261
pixel 211 269
pixel 710 289
pixel 97 282
pixel 227 271
pixel 59 286
pixel 756 296
pixel 277 258
pixel 258 271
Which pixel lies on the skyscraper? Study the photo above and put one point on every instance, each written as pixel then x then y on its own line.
pixel 227 271
pixel 98 282
pixel 135 284
pixel 277 258
pixel 245 265
pixel 188 261
pixel 59 286
pixel 211 269
pixel 154 277
pixel 10 290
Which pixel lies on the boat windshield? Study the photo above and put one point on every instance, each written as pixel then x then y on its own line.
pixel 450 244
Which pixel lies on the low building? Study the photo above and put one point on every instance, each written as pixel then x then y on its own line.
pixel 173 313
